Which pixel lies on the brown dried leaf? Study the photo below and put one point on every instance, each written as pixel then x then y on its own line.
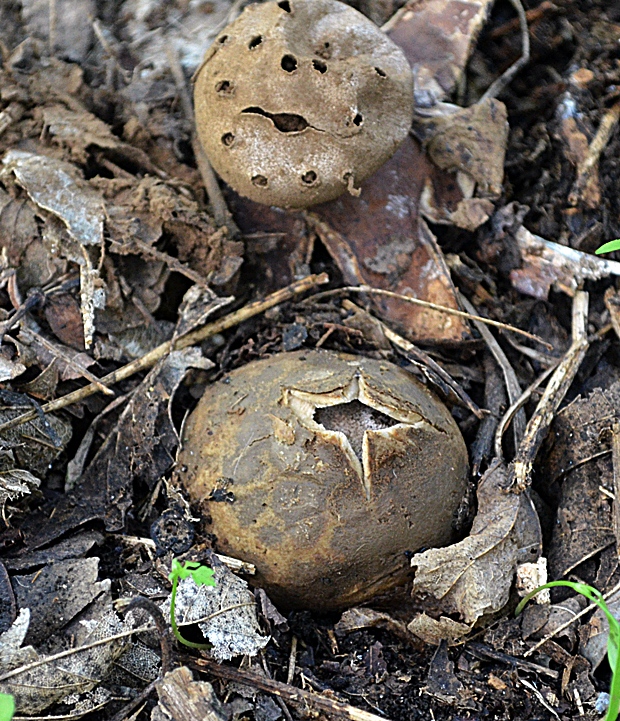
pixel 76 131
pixel 434 631
pixel 474 577
pixel 437 37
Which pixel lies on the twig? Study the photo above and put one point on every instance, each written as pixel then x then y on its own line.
pixel 52 17
pixel 510 377
pixel 60 354
pixel 73 651
pixel 587 166
pixel 292 658
pixel 498 85
pixel 566 624
pixel 165 643
pixel 538 425
pixel 532 16
pixel 425 304
pixel 615 445
pixel 184 341
pixel 286 692
pixel 172 263
pixel 519 403
pixel 221 213
pixel 136 702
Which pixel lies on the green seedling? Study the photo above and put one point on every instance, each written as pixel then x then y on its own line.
pixel 7 707
pixel 613 642
pixel 608 247
pixel 202 576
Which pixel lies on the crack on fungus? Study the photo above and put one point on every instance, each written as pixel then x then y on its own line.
pixel 284 122
pixel 348 416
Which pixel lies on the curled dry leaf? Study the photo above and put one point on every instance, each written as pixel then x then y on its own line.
pixel 474 577
pixel 58 187
pixel 435 630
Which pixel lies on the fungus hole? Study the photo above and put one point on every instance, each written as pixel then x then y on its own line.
pixel 358 120
pixel 228 139
pixel 284 122
pixel 309 177
pixel 353 419
pixel 224 87
pixel 259 180
pixel 223 39
pixel 319 65
pixel 380 72
pixel 324 51
pixel 255 42
pixel 285 5
pixel 289 63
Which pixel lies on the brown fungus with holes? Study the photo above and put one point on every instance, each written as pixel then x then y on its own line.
pixel 298 101
pixel 324 469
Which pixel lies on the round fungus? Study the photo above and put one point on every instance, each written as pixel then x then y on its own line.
pixel 324 469
pixel 302 84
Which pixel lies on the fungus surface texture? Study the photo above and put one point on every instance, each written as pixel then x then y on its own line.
pixel 300 100
pixel 324 469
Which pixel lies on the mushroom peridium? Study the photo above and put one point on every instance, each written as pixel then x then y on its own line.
pixel 298 101
pixel 324 469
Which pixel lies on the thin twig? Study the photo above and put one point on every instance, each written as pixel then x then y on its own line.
pixel 615 445
pixel 510 377
pixel 72 651
pixel 184 341
pixel 52 17
pixel 519 403
pixel 539 423
pixel 587 166
pixel 221 213
pixel 426 304
pixel 566 624
pixel 418 356
pixel 289 693
pixel 60 354
pixel 504 79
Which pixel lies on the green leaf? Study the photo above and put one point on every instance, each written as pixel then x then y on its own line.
pixel 7 707
pixel 608 247
pixel 203 576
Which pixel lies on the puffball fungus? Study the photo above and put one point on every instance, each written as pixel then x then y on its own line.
pixel 299 100
pixel 323 469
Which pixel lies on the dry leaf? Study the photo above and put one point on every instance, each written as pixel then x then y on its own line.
pixel 474 577
pixel 233 632
pixel 434 631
